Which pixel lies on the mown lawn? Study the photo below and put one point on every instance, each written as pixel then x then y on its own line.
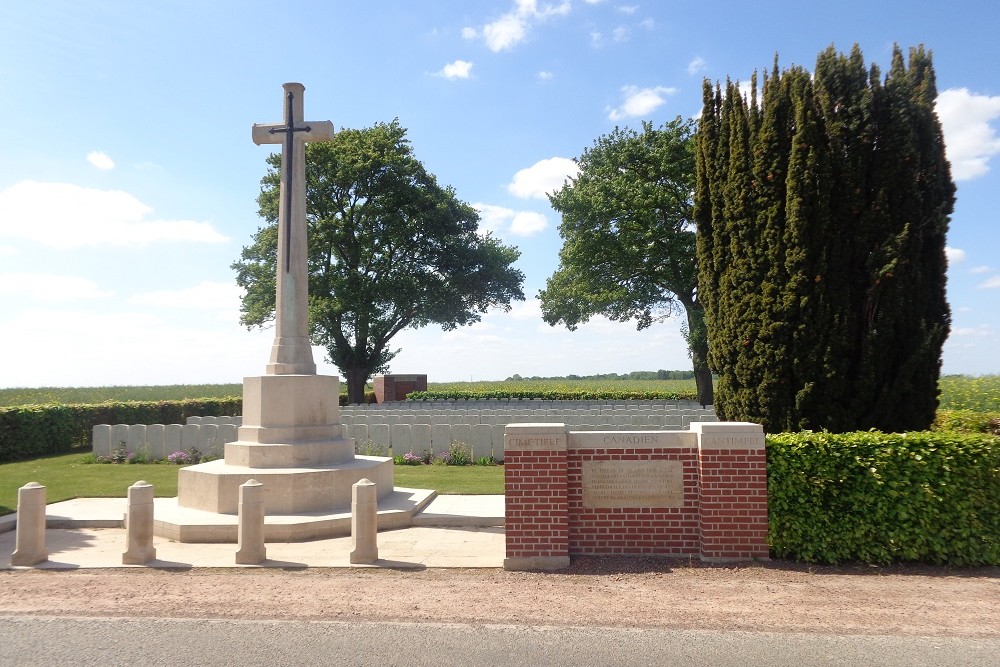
pixel 66 476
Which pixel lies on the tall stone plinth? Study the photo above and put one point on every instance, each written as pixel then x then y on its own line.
pixel 292 443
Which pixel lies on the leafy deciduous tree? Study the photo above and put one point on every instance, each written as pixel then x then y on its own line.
pixel 389 249
pixel 628 241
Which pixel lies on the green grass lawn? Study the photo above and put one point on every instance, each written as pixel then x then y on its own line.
pixel 65 476
pixel 466 480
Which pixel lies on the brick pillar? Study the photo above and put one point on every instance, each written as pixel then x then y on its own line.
pixel 379 387
pixel 537 506
pixel 733 490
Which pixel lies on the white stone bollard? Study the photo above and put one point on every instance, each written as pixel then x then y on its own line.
pixel 139 548
pixel 29 541
pixel 364 522
pixel 250 529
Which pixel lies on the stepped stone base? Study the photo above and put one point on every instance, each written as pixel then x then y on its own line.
pixel 292 443
pixel 214 486
pixel 395 510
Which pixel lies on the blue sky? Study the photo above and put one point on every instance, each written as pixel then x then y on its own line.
pixel 128 177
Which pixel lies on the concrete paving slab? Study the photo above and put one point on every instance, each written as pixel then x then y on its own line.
pixel 451 531
pixel 462 511
pixel 409 548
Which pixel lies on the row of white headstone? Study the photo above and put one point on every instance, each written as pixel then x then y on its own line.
pixel 158 441
pixel 399 434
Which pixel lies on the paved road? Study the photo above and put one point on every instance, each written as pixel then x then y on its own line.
pixel 28 640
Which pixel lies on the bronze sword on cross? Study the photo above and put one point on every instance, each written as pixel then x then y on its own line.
pixel 291 353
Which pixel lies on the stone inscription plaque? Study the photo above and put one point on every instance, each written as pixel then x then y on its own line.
pixel 608 484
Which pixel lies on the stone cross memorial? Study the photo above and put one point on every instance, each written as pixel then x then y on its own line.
pixel 291 442
pixel 291 353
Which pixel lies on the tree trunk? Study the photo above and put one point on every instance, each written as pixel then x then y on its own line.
pixel 703 375
pixel 356 378
pixel 697 340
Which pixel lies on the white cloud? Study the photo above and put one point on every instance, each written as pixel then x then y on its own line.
pixel 493 218
pixel 980 269
pixel 50 287
pixel 990 283
pixel 7 251
pixel 969 138
pixel 126 348
pixel 543 177
pixel 505 32
pixel 596 39
pixel 530 309
pixel 697 65
pixel 63 215
pixel 512 28
pixel 207 295
pixel 628 9
pixel 620 34
pixel 640 101
pixel 978 331
pixel 502 220
pixel 954 255
pixel 528 223
pixel 460 69
pixel 545 76
pixel 100 160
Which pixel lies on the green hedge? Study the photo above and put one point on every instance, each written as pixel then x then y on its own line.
pixel 39 430
pixel 931 497
pixel 560 395
pixel 369 398
pixel 967 421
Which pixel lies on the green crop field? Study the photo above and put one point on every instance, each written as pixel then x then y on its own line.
pixel 89 395
pixel 962 392
pixel 958 392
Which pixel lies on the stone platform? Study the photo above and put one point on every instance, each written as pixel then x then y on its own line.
pixel 396 509
pixel 451 531
pixel 291 442
pixel 214 486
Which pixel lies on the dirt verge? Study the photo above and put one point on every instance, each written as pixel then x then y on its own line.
pixel 612 592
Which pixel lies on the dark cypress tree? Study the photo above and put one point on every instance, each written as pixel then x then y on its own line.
pixel 821 225
pixel 905 312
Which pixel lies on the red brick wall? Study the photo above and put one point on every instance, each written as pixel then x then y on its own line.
pixel 389 388
pixel 536 515
pixel 733 503
pixel 664 531
pixel 723 514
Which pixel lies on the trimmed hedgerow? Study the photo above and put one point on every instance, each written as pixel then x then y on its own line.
pixel 555 395
pixel 39 430
pixel 931 497
pixel 967 421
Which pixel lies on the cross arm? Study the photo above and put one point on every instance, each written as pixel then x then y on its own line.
pixel 274 133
